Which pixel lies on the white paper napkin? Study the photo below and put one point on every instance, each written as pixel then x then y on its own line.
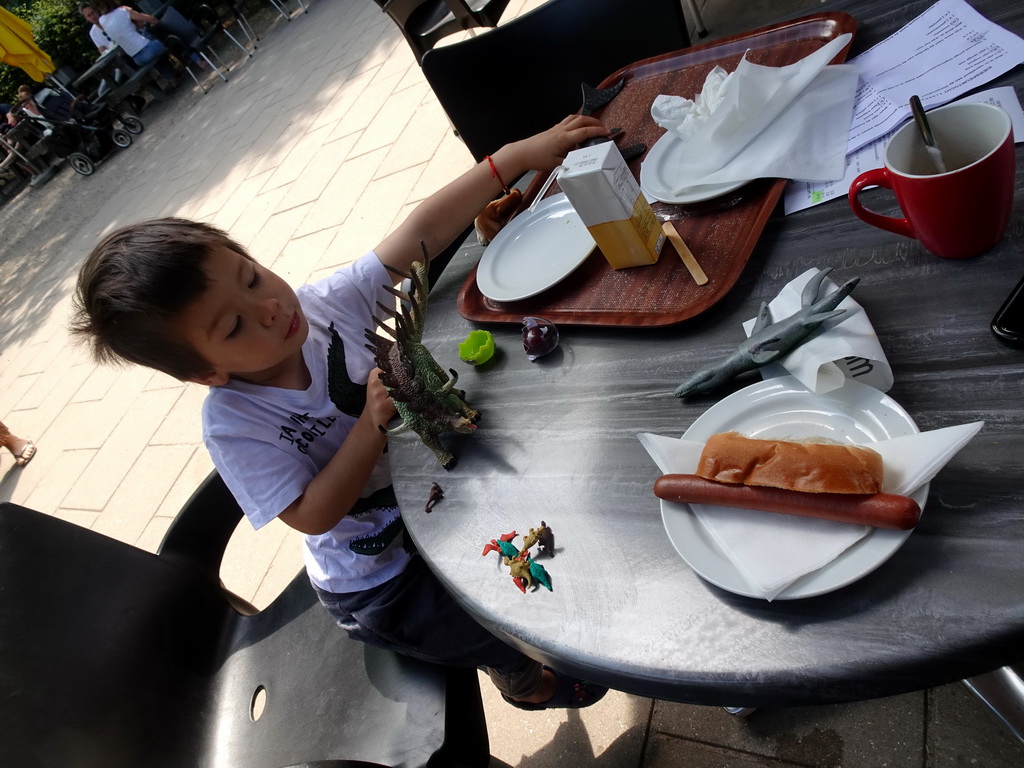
pixel 788 122
pixel 844 347
pixel 773 550
pixel 682 116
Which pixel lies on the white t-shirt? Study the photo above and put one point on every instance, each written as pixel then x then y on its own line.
pixel 269 443
pixel 100 38
pixel 120 28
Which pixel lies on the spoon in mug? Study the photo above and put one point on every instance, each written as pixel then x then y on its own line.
pixel 926 134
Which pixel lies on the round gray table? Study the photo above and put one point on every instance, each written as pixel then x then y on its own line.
pixel 557 442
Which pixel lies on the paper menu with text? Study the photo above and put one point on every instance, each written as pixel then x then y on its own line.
pixel 804 194
pixel 943 53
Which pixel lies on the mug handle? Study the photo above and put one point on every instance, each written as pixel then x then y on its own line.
pixel 876 177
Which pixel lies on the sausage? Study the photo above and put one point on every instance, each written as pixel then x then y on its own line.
pixel 881 510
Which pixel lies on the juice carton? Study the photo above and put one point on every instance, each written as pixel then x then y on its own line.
pixel 608 200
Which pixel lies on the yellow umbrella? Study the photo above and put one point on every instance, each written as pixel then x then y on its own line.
pixel 18 48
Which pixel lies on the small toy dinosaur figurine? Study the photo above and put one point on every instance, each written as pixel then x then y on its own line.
pixel 425 397
pixel 769 341
pixel 523 569
pixel 436 494
pixel 542 536
pixel 502 544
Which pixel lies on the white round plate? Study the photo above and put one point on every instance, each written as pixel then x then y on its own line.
pixel 783 408
pixel 660 171
pixel 534 251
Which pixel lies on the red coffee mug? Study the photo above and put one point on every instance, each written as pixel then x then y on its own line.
pixel 964 211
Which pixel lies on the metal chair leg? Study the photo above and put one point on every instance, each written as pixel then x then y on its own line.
pixel 214 66
pixel 234 40
pixel 1002 690
pixel 280 9
pixel 246 27
pixel 193 75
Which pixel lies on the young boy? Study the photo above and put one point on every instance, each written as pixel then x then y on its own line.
pixel 183 298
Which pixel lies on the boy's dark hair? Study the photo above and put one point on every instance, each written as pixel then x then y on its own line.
pixel 135 282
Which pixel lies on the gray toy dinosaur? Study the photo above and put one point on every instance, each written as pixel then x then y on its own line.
pixel 769 342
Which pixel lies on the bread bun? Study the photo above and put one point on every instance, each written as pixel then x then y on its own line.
pixel 496 215
pixel 808 466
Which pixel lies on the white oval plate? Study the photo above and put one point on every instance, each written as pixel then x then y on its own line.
pixel 660 171
pixel 534 251
pixel 783 408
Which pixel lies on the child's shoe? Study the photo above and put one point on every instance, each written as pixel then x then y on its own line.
pixel 571 693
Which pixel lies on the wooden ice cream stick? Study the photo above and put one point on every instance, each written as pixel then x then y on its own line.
pixel 684 253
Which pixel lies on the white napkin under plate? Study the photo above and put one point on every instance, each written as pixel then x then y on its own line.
pixel 789 122
pixel 774 550
pixel 844 347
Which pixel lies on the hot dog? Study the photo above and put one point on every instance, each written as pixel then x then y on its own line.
pixel 881 510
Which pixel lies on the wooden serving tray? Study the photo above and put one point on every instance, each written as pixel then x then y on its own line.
pixel 721 233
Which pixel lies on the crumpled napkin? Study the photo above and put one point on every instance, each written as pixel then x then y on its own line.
pixel 773 550
pixel 682 116
pixel 789 122
pixel 844 347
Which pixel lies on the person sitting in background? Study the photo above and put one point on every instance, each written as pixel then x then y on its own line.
pixel 99 38
pixel 6 148
pixel 19 142
pixel 27 102
pixel 27 99
pixel 122 24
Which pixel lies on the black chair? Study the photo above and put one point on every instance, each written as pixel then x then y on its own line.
pixel 524 76
pixel 112 657
pixel 204 19
pixel 480 13
pixel 198 33
pixel 237 7
pixel 423 22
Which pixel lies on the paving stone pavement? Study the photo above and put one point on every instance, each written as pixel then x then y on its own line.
pixel 309 155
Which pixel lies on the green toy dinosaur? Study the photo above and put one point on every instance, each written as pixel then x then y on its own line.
pixel 424 395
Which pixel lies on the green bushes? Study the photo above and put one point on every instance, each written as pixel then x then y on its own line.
pixel 60 31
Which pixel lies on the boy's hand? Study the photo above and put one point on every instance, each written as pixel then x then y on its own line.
pixel 546 150
pixel 333 491
pixel 379 406
pixel 445 214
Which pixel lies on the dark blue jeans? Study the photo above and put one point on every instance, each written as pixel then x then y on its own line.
pixel 155 49
pixel 414 614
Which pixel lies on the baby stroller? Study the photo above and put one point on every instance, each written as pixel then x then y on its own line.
pixel 80 131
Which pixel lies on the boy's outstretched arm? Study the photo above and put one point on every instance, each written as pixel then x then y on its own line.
pixel 444 215
pixel 336 488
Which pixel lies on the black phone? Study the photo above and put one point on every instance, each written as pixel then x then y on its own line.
pixel 1008 324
